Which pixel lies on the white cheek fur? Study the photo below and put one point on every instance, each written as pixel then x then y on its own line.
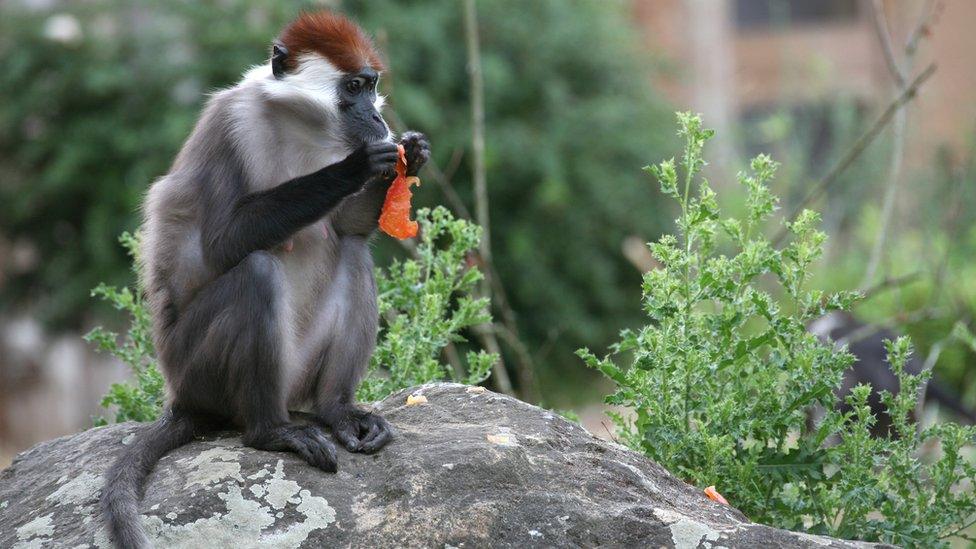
pixel 276 147
pixel 378 105
pixel 314 82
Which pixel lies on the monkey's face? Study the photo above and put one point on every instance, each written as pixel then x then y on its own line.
pixel 326 61
pixel 359 107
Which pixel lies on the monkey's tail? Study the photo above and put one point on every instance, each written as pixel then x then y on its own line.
pixel 124 480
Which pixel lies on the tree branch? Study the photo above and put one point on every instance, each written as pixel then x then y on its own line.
pixel 476 81
pixel 898 72
pixel 855 151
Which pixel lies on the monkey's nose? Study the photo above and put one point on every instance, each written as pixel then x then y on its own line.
pixel 377 118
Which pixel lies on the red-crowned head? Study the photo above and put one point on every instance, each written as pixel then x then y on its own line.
pixel 337 39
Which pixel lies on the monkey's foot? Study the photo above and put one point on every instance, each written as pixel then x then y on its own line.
pixel 357 429
pixel 308 441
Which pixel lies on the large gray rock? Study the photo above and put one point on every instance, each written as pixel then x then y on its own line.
pixel 467 469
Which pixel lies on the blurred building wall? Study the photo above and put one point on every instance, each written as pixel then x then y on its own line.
pixel 730 57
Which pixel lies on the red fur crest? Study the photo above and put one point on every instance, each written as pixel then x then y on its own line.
pixel 332 36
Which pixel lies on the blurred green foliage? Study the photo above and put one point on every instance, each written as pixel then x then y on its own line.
pixel 931 245
pixel 99 95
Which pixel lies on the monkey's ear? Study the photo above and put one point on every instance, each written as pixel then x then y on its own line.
pixel 279 55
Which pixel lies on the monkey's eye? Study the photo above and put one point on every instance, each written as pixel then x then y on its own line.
pixel 355 85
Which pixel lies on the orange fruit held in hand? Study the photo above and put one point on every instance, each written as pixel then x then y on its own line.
pixel 395 216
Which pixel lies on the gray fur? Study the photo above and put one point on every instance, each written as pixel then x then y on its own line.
pixel 259 279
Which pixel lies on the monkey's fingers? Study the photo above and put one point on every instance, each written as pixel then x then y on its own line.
pixel 383 164
pixel 417 149
pixel 377 442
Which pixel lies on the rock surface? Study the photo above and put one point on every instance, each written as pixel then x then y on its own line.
pixel 467 469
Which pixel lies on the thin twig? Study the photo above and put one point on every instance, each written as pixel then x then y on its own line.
pixel 528 387
pixel 889 283
pixel 868 330
pixel 477 127
pixel 448 189
pixel 855 151
pixel 890 196
pixel 884 36
pixel 485 333
pixel 609 433
pixel 934 10
pixel 454 163
pixel 897 72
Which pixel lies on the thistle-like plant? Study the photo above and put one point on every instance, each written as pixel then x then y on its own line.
pixel 723 378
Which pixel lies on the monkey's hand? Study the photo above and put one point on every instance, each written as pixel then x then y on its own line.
pixel 357 429
pixel 370 161
pixel 417 149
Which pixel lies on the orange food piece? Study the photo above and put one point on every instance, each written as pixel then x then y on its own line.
pixel 713 495
pixel 395 216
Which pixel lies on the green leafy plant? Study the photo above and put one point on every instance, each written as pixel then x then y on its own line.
pixel 724 376
pixel 143 400
pixel 425 303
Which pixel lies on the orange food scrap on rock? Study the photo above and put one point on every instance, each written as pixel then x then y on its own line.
pixel 395 216
pixel 713 495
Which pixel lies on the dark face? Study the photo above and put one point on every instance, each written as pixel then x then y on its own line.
pixel 361 121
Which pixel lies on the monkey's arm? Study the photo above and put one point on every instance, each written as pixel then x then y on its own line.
pixel 263 220
pixel 360 213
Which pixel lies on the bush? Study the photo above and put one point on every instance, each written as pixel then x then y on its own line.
pixel 723 377
pixel 424 302
pixel 144 400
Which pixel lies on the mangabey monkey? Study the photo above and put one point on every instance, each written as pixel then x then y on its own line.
pixel 257 269
pixel 871 367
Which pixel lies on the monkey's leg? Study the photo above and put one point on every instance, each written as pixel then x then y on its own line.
pixel 358 430
pixel 347 349
pixel 231 349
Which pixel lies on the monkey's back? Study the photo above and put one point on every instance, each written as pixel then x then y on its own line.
pixel 173 263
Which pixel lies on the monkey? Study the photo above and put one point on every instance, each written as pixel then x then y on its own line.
pixel 256 265
pixel 871 366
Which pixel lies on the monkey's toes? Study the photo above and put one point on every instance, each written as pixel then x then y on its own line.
pixel 316 449
pixel 346 435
